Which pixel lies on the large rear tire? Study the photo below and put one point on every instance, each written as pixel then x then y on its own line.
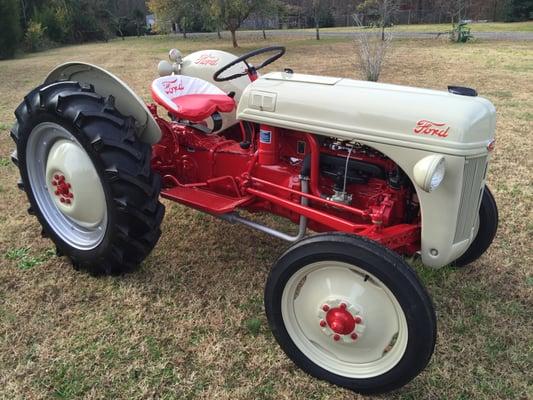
pixel 351 312
pixel 87 177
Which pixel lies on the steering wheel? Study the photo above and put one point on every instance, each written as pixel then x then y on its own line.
pixel 279 51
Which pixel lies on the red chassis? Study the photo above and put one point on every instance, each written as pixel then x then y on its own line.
pixel 270 169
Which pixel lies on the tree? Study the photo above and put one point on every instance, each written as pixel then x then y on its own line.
pixel 55 19
pixel 384 9
pixel 10 24
pixel 454 9
pixel 315 7
pixel 519 10
pixel 232 13
pixel 265 9
pixel 138 18
pixel 180 12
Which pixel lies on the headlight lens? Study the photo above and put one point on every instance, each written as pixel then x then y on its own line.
pixel 429 172
pixel 438 175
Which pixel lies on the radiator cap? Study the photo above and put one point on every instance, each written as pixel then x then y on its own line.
pixel 462 91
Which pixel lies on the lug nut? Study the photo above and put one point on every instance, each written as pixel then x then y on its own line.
pixel 54 183
pixel 323 323
pixel 354 336
pixel 67 201
pixel 56 177
pixel 358 320
pixel 70 195
pixel 68 185
pixel 62 200
pixel 343 306
pixel 325 307
pixel 336 337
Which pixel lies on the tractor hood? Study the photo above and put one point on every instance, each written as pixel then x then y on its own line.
pixel 372 112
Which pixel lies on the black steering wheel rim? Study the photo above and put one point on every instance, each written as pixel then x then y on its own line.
pixel 280 51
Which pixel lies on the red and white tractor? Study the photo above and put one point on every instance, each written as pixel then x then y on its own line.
pixel 376 171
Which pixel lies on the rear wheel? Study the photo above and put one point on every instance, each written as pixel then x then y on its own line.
pixel 87 177
pixel 351 312
pixel 487 225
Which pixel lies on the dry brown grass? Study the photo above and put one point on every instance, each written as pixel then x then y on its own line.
pixel 181 327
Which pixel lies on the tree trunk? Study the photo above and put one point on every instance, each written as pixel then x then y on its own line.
pixel 317 22
pixel 234 38
pixel 384 12
pixel 183 28
pixel 23 7
pixel 218 32
pixel 263 27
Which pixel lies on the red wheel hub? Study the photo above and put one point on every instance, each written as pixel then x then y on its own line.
pixel 62 188
pixel 340 320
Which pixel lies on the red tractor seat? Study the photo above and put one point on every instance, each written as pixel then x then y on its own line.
pixel 190 98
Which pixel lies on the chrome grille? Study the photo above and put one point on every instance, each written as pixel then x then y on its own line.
pixel 473 175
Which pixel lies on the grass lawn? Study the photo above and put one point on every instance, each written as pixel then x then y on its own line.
pixel 190 323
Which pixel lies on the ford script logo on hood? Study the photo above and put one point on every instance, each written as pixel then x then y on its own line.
pixel 425 127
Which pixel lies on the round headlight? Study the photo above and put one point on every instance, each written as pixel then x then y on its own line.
pixel 175 55
pixel 164 68
pixel 429 172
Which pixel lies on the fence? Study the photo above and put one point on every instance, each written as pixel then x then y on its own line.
pixel 400 17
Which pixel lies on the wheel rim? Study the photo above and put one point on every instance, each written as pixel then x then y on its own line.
pixel 344 319
pixel 66 186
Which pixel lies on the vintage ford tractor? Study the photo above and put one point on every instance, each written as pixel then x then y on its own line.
pixel 377 172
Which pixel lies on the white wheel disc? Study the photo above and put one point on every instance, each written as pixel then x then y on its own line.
pixel 66 186
pixel 344 319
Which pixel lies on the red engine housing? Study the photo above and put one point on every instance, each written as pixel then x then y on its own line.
pixel 260 169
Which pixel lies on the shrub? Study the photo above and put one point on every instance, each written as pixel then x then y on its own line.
pixel 34 39
pixel 372 50
pixel 372 47
pixel 10 25
pixel 460 33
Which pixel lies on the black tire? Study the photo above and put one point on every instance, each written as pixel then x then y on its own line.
pixel 122 162
pixel 488 226
pixel 392 271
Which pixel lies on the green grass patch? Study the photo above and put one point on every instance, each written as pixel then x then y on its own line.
pixel 25 260
pixel 253 325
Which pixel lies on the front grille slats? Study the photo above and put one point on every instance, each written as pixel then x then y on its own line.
pixel 473 176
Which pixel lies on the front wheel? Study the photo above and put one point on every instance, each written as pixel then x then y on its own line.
pixel 351 312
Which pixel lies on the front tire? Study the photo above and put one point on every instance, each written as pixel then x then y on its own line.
pixel 87 177
pixel 351 312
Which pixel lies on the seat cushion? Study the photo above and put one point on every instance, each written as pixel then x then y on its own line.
pixel 190 98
